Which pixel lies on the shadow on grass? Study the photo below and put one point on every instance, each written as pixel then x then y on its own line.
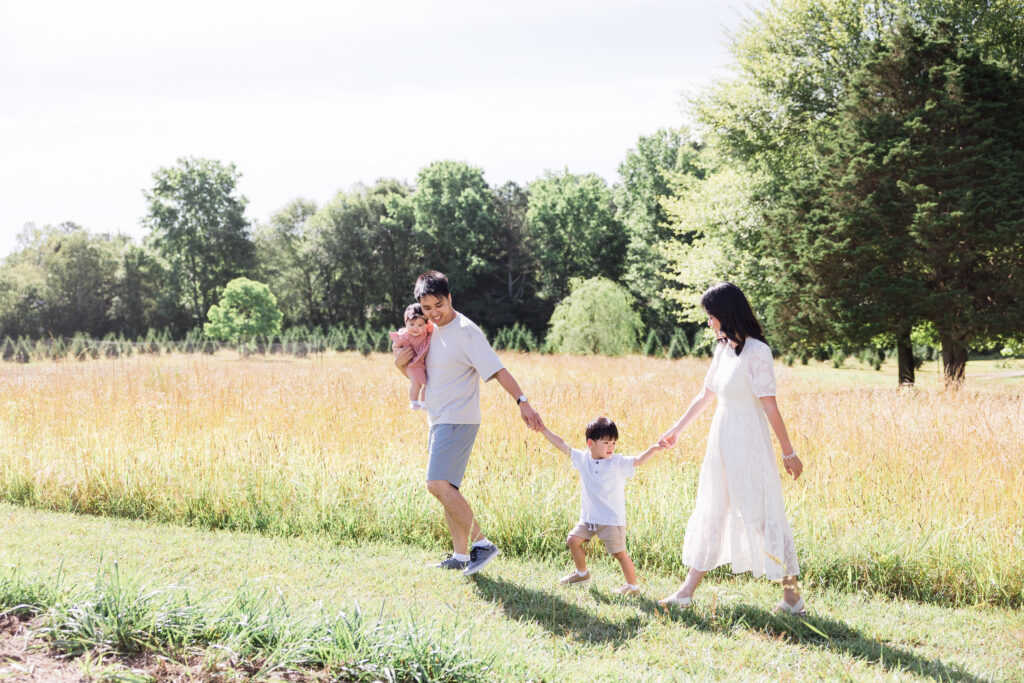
pixel 567 620
pixel 810 631
pixel 557 616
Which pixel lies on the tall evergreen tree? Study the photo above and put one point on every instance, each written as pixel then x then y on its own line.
pixel 914 212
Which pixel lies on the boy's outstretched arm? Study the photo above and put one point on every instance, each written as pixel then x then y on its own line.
pixel 556 440
pixel 643 457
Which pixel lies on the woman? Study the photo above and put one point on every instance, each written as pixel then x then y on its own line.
pixel 740 517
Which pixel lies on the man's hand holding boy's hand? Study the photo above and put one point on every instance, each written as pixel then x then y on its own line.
pixel 531 417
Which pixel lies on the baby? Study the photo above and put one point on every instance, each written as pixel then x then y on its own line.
pixel 415 334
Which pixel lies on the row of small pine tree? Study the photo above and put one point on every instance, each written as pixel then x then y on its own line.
pixel 302 341
pixel 296 341
pixel 873 355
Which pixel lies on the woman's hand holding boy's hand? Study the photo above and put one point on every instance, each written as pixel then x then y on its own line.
pixel 668 439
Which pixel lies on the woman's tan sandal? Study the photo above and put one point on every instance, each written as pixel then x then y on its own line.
pixel 785 607
pixel 676 600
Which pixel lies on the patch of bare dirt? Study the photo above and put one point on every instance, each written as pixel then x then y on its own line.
pixel 26 658
pixel 21 659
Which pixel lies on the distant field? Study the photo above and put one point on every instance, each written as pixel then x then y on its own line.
pixel 911 493
pixel 982 375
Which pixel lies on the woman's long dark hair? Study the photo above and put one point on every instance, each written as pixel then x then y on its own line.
pixel 726 302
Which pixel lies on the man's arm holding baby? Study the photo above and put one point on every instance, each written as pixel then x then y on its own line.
pixel 643 457
pixel 555 440
pixel 403 357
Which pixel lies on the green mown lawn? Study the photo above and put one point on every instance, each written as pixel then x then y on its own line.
pixel 514 616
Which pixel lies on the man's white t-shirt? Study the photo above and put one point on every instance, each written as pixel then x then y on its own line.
pixel 603 486
pixel 459 356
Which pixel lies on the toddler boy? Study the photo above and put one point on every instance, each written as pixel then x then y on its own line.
pixel 603 475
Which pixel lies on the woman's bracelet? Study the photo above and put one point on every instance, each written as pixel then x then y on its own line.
pixel 790 456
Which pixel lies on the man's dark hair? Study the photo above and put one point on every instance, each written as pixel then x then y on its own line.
pixel 413 311
pixel 431 282
pixel 601 428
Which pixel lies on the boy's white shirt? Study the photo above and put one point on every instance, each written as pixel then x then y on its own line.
pixel 602 486
pixel 459 357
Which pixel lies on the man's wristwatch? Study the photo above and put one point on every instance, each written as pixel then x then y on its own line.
pixel 521 399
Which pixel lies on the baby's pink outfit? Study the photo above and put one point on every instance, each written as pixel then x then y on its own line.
pixel 417 368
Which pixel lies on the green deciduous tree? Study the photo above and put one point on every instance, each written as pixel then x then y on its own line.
pixel 597 317
pixel 649 176
pixel 60 281
pixel 199 231
pixel 514 288
pixel 458 226
pixel 285 252
pixel 720 237
pixel 139 302
pixel 572 219
pixel 793 60
pixel 247 308
pixel 365 255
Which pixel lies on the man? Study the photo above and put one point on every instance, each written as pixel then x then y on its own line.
pixel 459 356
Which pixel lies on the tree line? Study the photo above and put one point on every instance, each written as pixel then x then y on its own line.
pixel 858 175
pixel 511 251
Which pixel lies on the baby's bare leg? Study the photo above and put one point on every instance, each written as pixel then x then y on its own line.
pixel 415 389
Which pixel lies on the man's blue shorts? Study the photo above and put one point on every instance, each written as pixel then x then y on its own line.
pixel 449 447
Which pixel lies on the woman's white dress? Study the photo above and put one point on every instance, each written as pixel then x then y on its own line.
pixel 740 517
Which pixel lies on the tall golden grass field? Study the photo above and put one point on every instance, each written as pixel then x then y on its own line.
pixel 916 493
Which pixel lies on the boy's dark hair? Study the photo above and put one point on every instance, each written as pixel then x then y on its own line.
pixel 601 428
pixel 726 302
pixel 433 283
pixel 413 311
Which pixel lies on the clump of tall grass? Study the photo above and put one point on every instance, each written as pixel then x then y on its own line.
pixel 254 630
pixel 911 493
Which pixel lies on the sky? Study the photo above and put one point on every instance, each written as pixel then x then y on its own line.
pixel 309 98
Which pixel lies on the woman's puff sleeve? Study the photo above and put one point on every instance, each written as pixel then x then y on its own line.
pixel 760 369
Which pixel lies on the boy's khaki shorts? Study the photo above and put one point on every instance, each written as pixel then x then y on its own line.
pixel 614 537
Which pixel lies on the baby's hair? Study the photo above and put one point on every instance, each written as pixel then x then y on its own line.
pixel 601 428
pixel 413 311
